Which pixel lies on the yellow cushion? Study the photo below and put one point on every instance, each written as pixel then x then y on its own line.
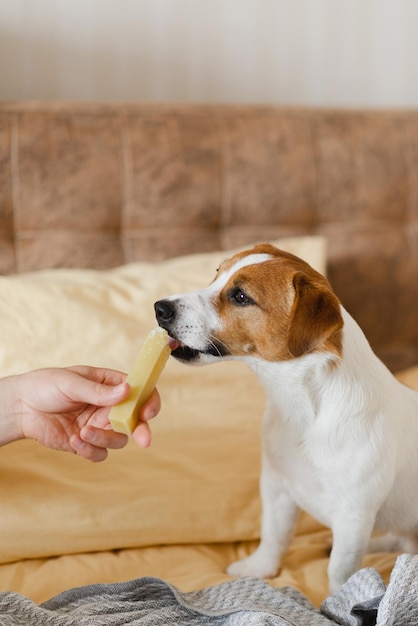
pixel 199 480
pixel 409 377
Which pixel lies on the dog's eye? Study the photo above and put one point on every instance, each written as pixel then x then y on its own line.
pixel 239 297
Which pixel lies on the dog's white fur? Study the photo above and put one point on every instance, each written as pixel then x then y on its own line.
pixel 339 433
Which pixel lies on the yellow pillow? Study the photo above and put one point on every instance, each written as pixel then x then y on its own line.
pixel 199 480
pixel 409 377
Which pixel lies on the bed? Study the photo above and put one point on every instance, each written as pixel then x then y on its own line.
pixel 105 209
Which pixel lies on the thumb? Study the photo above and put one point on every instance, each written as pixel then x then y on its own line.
pixel 100 394
pixel 108 395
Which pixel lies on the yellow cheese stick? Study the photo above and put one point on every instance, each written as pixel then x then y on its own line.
pixel 142 378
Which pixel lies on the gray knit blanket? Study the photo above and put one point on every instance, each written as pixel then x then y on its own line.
pixel 363 600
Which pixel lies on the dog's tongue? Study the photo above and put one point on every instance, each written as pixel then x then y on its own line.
pixel 173 344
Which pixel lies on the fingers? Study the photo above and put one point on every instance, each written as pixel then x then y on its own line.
pixel 103 438
pixel 151 407
pixel 93 443
pixel 142 435
pixel 87 451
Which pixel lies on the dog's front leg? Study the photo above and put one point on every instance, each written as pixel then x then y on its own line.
pixel 351 532
pixel 278 520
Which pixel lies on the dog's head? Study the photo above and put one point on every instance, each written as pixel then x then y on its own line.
pixel 263 303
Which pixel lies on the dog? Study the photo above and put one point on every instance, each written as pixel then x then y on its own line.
pixel 339 433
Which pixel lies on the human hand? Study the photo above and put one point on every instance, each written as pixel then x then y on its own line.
pixel 68 409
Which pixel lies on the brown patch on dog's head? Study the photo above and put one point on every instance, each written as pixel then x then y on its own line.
pixel 277 309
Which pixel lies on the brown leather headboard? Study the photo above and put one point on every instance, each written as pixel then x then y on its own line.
pixel 98 185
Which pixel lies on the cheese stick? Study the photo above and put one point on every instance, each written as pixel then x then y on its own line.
pixel 142 378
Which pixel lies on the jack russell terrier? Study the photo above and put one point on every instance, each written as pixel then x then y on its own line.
pixel 339 433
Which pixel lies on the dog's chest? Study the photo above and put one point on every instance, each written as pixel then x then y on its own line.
pixel 300 467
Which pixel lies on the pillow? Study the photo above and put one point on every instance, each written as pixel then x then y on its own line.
pixel 197 483
pixel 409 377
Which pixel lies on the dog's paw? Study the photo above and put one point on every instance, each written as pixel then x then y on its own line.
pixel 252 566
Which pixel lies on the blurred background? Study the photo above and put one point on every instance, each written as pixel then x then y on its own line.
pixel 340 53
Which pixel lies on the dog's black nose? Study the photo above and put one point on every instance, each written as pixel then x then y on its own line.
pixel 164 311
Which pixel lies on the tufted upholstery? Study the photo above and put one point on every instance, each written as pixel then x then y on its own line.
pixel 101 185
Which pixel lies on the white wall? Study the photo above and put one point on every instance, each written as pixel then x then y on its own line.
pixel 320 52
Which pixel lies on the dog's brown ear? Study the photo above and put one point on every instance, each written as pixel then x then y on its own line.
pixel 314 317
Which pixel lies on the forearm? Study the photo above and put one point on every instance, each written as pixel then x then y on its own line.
pixel 10 413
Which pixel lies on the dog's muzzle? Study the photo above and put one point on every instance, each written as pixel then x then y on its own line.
pixel 165 312
pixel 168 317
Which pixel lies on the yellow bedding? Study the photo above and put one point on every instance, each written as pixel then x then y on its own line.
pixel 181 510
pixel 187 566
